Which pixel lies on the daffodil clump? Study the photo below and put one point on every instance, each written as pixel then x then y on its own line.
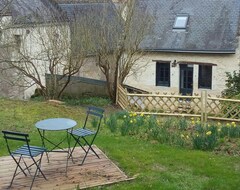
pixel 230 130
pixel 172 130
pixel 205 140
pixel 131 123
pixel 206 137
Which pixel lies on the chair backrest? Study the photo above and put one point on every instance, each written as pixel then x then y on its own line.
pixel 97 114
pixel 15 136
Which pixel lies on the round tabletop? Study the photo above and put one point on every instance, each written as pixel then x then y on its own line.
pixel 56 124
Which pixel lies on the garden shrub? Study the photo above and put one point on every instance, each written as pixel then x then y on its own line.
pixel 232 84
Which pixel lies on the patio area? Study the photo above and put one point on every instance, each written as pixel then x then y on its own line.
pixel 94 172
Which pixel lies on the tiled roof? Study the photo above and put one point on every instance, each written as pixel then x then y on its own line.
pixel 90 9
pixel 35 11
pixel 32 11
pixel 80 1
pixel 212 25
pixel 4 8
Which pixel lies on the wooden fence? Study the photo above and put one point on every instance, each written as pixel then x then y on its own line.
pixel 202 105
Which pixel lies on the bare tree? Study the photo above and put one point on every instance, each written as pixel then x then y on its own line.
pixel 60 47
pixel 46 47
pixel 118 42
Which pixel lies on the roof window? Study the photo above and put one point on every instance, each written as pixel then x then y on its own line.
pixel 180 22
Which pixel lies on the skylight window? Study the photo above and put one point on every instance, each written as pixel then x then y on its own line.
pixel 181 22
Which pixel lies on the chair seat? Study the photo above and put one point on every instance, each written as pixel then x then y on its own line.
pixel 82 132
pixel 23 150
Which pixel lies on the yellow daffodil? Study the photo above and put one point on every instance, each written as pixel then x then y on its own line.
pixel 131 121
pixel 124 116
pixel 193 122
pixel 228 125
pixel 219 130
pixel 142 114
pixel 234 124
pixel 134 114
pixel 187 137
pixel 192 118
pixel 182 135
pixel 218 123
pixel 209 133
pixel 130 115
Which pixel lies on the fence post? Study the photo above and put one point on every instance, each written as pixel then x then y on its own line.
pixel 116 100
pixel 204 107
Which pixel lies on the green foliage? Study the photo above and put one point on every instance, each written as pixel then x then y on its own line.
pixel 230 130
pixel 94 122
pixel 232 84
pixel 172 131
pixel 147 127
pixel 95 101
pixel 182 123
pixel 111 122
pixel 206 140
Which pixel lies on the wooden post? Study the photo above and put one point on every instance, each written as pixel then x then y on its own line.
pixel 116 100
pixel 204 107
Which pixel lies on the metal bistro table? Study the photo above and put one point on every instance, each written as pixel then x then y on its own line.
pixel 55 124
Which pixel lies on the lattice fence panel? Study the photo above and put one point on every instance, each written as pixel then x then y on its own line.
pixel 165 103
pixel 216 108
pixel 224 108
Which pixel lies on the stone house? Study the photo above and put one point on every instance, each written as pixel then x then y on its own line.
pixel 192 45
pixel 33 33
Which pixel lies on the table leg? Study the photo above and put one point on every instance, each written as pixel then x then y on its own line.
pixel 42 135
pixel 69 149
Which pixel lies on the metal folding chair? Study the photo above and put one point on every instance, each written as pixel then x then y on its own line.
pixel 93 118
pixel 25 151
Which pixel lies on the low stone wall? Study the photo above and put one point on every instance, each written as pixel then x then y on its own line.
pixel 81 86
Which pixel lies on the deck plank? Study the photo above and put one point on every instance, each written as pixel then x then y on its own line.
pixel 94 172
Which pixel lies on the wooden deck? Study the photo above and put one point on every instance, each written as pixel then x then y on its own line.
pixel 94 172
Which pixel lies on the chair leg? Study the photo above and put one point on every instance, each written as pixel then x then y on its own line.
pixel 37 169
pixel 38 165
pixel 77 141
pixel 18 166
pixel 90 146
pixel 27 167
pixel 71 151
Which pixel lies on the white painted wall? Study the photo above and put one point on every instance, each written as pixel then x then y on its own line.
pixel 146 77
pixel 35 44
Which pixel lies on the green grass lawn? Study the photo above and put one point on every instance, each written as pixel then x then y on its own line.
pixel 155 166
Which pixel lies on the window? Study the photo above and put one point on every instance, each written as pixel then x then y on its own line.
pixel 162 74
pixel 0 36
pixel 17 39
pixel 180 22
pixel 205 76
